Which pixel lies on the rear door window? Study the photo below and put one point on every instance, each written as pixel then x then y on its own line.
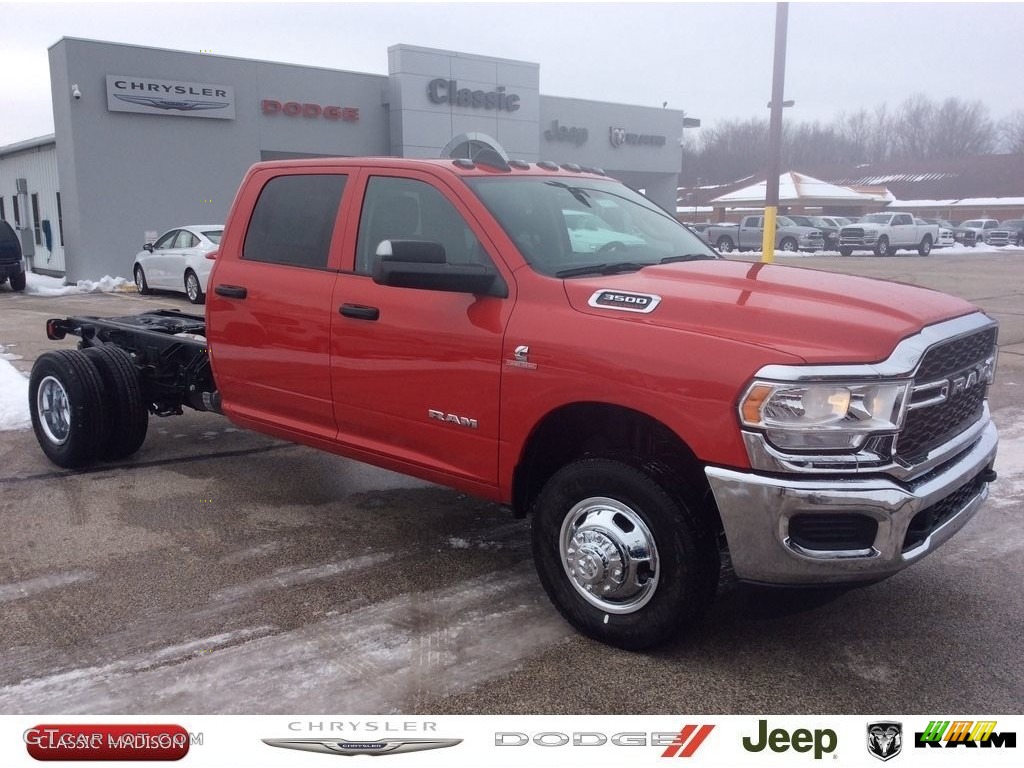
pixel 294 219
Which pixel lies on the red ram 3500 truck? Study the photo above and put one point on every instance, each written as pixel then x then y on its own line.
pixel 645 400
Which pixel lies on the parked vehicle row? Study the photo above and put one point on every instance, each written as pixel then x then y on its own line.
pixel 864 233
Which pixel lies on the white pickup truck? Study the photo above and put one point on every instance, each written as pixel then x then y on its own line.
pixel 886 233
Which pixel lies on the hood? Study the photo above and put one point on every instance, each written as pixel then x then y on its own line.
pixel 822 317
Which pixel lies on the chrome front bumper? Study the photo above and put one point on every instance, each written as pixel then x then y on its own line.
pixel 756 511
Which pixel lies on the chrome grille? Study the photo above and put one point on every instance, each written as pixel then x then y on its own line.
pixel 930 426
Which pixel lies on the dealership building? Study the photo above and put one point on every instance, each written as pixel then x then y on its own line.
pixel 148 139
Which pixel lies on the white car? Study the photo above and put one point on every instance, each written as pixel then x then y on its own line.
pixel 177 261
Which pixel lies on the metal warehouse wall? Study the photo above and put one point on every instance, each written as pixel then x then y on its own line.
pixel 38 166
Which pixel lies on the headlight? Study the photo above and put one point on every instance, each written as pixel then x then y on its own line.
pixel 823 416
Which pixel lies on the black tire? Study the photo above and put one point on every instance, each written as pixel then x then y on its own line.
pixel 128 415
pixel 685 574
pixel 725 244
pixel 193 289
pixel 926 246
pixel 69 415
pixel 882 247
pixel 18 282
pixel 140 281
pixel 843 251
pixel 788 244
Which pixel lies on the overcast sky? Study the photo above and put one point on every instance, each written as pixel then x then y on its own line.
pixel 713 60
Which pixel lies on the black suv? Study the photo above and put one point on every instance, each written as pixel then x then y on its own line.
pixel 11 265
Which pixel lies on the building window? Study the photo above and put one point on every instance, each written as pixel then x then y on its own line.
pixel 60 220
pixel 3 215
pixel 35 219
pixel 17 213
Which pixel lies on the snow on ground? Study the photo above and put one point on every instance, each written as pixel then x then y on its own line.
pixel 13 397
pixel 42 285
pixel 1009 465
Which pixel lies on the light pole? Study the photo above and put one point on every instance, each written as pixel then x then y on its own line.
pixel 771 195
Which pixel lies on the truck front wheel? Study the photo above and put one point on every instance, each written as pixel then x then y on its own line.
pixel 66 400
pixel 844 251
pixel 882 247
pixel 623 559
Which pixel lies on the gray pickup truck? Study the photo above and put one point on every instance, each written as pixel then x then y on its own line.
pixel 747 236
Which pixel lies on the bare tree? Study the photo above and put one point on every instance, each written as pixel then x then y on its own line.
pixel 1011 131
pixel 960 129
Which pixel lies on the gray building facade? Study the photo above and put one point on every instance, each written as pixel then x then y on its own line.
pixel 149 139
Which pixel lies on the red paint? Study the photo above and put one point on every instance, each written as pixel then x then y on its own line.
pixel 106 742
pixel 288 364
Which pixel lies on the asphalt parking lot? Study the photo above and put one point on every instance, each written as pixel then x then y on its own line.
pixel 220 571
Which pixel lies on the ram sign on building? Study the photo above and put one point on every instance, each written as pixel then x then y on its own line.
pixel 148 139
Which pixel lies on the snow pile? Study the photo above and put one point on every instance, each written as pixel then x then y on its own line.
pixel 41 285
pixel 13 398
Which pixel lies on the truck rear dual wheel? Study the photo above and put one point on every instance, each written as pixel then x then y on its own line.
pixel 66 402
pixel 87 404
pixel 128 419
pixel 724 244
pixel 623 558
pixel 925 247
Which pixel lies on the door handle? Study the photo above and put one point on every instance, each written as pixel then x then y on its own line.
pixel 231 291
pixel 359 312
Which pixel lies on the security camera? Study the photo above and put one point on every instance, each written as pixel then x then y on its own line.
pixel 75 92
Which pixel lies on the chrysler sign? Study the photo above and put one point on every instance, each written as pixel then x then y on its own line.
pixel 126 93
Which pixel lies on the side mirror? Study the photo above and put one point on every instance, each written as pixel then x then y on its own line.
pixel 148 247
pixel 423 264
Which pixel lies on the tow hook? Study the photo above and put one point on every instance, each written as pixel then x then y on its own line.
pixel 988 476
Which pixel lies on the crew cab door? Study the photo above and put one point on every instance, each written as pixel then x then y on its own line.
pixel 751 232
pixel 416 372
pixel 904 230
pixel 270 301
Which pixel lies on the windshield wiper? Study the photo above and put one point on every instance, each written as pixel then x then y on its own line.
pixel 686 257
pixel 602 269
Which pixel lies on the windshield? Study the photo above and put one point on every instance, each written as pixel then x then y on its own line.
pixel 583 226
pixel 213 235
pixel 785 221
pixel 876 218
pixel 976 223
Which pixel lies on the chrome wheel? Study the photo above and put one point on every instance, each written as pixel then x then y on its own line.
pixel 192 287
pixel 609 555
pixel 54 410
